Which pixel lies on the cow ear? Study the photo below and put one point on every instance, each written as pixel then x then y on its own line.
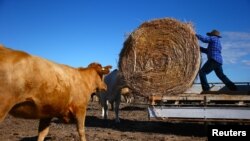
pixel 106 69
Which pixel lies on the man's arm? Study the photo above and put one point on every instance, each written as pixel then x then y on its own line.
pixel 203 50
pixel 203 39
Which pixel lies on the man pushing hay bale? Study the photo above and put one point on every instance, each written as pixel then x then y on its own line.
pixel 161 57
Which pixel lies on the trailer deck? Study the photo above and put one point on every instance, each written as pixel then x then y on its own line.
pixel 216 105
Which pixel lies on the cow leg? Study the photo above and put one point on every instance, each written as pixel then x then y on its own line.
pixel 104 105
pixel 112 105
pixel 80 117
pixel 125 98
pixel 129 99
pixel 6 103
pixel 105 110
pixel 43 128
pixel 117 104
pixel 104 113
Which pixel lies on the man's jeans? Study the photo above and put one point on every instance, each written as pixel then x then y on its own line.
pixel 208 67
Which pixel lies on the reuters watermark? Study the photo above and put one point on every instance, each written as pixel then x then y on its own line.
pixel 237 132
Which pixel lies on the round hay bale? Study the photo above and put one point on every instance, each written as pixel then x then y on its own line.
pixel 161 57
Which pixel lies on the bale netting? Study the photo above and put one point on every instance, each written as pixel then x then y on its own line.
pixel 161 57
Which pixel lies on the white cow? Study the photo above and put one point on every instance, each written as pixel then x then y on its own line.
pixel 115 87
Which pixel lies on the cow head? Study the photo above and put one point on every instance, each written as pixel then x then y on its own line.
pixel 101 71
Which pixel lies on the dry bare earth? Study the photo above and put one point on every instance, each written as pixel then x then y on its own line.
pixel 134 126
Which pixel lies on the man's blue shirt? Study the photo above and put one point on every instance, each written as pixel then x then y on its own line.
pixel 213 49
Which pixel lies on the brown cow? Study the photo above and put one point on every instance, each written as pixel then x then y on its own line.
pixel 35 88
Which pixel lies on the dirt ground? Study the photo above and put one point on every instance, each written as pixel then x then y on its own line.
pixel 134 126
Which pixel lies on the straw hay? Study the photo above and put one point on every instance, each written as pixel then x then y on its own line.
pixel 161 57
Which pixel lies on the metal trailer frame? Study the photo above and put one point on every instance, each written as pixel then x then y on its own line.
pixel 219 105
pixel 205 113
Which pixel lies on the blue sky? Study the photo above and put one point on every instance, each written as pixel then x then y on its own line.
pixel 77 32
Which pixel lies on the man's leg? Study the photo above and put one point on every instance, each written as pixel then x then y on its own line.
pixel 206 69
pixel 219 72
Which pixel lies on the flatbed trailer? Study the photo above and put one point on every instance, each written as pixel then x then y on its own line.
pixel 219 104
